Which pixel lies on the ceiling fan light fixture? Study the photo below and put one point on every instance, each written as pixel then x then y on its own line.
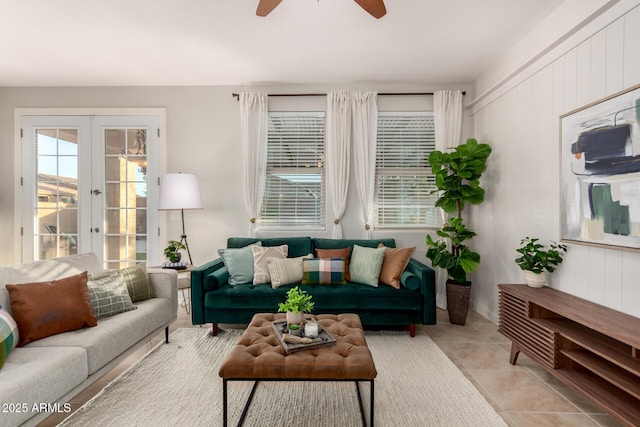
pixel 375 8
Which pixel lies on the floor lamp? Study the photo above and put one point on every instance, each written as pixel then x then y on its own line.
pixel 180 191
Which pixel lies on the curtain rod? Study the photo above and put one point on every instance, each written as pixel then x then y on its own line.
pixel 237 96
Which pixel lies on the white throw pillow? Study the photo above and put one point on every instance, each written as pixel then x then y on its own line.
pixel 285 271
pixel 260 255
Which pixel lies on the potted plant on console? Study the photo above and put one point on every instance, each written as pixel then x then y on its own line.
pixel 535 260
pixel 297 304
pixel 458 182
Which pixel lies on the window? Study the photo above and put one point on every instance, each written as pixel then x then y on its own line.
pixel 295 183
pixel 404 181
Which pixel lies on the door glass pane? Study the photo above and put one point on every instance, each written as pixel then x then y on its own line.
pixel 125 196
pixel 56 231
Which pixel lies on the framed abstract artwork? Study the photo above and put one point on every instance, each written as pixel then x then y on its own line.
pixel 600 172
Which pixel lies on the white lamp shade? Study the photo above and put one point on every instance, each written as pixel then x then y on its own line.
pixel 179 191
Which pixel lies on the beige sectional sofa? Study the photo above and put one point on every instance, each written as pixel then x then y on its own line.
pixel 54 369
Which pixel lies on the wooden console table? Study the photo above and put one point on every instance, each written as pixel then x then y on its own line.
pixel 594 349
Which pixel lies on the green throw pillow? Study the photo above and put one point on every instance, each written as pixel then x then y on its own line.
pixel 366 264
pixel 109 295
pixel 324 271
pixel 239 263
pixel 9 335
pixel 137 280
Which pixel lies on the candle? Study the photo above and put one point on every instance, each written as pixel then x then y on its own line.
pixel 311 330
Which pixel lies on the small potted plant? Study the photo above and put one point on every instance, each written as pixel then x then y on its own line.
pixel 172 251
pixel 535 260
pixel 297 304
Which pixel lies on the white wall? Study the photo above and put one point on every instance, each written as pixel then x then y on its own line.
pixel 202 134
pixel 520 119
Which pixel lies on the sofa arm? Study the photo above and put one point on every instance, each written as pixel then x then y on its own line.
pixel 427 288
pixel 165 285
pixel 200 276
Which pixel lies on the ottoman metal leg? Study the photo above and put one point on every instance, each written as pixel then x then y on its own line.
pixel 371 403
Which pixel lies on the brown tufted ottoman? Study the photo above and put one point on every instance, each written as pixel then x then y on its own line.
pixel 258 356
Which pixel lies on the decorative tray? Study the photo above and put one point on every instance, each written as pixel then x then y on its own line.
pixel 324 338
pixel 175 265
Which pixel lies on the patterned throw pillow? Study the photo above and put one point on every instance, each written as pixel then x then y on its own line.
pixel 366 264
pixel 9 335
pixel 323 271
pixel 337 253
pixel 109 295
pixel 260 255
pixel 137 280
pixel 239 263
pixel 286 271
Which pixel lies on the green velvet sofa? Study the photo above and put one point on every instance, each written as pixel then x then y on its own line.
pixel 215 301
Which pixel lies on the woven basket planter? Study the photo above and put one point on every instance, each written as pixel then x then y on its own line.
pixel 458 296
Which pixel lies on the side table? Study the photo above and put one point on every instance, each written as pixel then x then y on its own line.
pixel 184 285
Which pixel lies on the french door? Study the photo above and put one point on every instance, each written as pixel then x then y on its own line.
pixel 89 183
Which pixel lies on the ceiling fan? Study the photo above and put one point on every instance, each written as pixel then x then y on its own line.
pixel 374 7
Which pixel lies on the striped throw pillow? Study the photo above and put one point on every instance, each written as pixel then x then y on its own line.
pixel 285 271
pixel 323 271
pixel 9 335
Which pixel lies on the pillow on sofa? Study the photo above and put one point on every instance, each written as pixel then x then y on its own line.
pixel 394 263
pixel 137 280
pixel 239 263
pixel 9 335
pixel 366 264
pixel 42 309
pixel 260 255
pixel 285 271
pixel 337 253
pixel 323 271
pixel 109 295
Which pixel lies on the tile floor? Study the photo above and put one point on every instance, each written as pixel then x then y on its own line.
pixel 524 395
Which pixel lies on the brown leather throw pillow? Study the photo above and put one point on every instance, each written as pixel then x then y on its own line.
pixel 395 261
pixel 42 309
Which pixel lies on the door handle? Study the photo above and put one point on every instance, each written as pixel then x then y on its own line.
pixel 96 192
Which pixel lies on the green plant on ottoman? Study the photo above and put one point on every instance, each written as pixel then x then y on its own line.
pixel 297 304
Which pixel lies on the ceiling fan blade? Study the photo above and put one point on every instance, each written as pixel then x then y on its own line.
pixel 266 6
pixel 374 7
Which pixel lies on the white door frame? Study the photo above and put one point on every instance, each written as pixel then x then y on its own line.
pixel 19 113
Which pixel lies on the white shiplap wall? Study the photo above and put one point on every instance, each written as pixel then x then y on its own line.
pixel 521 122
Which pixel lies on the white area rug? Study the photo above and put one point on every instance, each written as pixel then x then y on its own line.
pixel 178 384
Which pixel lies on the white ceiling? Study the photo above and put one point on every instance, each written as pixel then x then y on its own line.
pixel 223 42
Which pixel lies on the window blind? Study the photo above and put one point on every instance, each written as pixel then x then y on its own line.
pixel 404 181
pixel 295 183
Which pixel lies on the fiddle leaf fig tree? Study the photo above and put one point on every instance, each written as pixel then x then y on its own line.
pixel 460 260
pixel 458 175
pixel 458 182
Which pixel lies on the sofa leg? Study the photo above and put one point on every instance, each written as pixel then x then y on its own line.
pixel 214 329
pixel 412 330
pixel 166 335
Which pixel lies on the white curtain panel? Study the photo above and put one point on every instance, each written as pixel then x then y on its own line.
pixel 253 137
pixel 365 123
pixel 338 150
pixel 447 114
